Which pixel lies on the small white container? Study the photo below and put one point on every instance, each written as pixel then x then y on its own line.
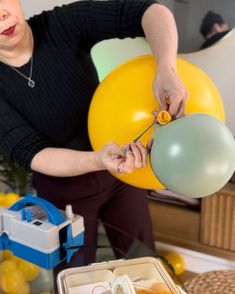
pixel 144 272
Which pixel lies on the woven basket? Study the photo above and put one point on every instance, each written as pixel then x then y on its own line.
pixel 214 282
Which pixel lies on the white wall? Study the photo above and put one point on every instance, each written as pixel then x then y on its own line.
pixel 168 3
pixel 36 6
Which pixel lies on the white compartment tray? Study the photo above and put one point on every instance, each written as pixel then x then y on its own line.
pixel 144 273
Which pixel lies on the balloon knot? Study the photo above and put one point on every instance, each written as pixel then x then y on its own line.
pixel 164 117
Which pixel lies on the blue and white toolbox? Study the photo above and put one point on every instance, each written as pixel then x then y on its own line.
pixel 35 230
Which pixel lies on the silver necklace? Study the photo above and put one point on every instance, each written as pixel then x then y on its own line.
pixel 31 83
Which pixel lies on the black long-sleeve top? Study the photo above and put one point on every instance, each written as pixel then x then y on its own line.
pixel 54 112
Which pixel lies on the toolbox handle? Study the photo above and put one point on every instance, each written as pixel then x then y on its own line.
pixel 54 215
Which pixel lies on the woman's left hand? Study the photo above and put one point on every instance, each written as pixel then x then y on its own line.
pixel 170 92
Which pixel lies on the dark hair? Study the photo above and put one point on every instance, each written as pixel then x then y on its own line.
pixel 208 21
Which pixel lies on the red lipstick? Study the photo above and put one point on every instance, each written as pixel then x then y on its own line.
pixel 9 31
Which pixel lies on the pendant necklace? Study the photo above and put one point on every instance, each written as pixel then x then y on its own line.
pixel 31 83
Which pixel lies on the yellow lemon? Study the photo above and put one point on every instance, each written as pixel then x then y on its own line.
pixel 7 254
pixel 25 289
pixel 1 256
pixel 13 282
pixel 177 262
pixel 29 270
pixel 16 259
pixel 2 196
pixel 10 199
pixel 7 266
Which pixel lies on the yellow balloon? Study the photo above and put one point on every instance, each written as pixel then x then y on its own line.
pixel 122 107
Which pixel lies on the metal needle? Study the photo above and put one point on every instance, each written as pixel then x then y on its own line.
pixel 149 127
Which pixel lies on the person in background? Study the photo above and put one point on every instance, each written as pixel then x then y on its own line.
pixel 47 80
pixel 213 28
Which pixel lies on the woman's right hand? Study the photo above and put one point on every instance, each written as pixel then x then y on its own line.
pixel 125 159
pixel 63 162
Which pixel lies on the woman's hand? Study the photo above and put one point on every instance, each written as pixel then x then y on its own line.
pixel 170 92
pixel 122 159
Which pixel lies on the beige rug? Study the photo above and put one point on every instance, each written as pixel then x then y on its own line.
pixel 214 282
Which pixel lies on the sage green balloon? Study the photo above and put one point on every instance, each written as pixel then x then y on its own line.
pixel 193 156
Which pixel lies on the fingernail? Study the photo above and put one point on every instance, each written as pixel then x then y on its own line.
pixel 126 149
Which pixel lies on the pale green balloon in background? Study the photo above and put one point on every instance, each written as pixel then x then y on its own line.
pixel 193 156
pixel 109 54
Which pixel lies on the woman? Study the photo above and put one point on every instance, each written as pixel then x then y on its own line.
pixel 47 81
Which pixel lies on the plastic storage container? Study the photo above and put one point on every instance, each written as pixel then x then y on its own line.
pixel 144 275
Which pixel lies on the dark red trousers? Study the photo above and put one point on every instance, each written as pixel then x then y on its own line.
pixel 100 196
